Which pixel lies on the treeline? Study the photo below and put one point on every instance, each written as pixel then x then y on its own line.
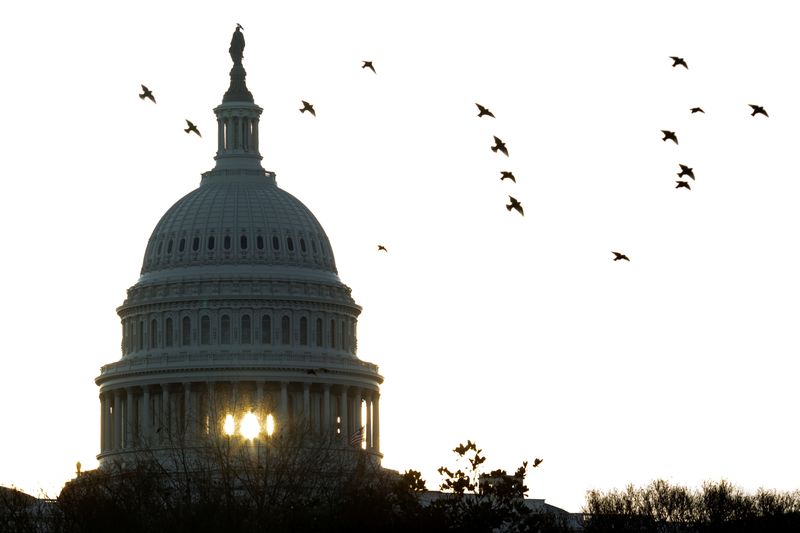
pixel 715 507
pixel 291 489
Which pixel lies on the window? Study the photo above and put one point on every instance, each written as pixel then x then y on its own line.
pixel 168 332
pixel 343 337
pixel 182 245
pixel 169 247
pixel 186 331
pixel 245 325
pixel 243 242
pixel 260 242
pixel 290 244
pixel 318 332
pixel 333 333
pixel 276 243
pixel 196 244
pixel 227 242
pixel 286 333
pixel 266 330
pixel 205 330
pixel 211 243
pixel 225 330
pixel 302 245
pixel 153 333
pixel 304 331
pixel 140 335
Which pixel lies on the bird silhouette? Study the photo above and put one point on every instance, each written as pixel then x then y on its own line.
pixel 697 110
pixel 499 145
pixel 505 174
pixel 382 248
pixel 678 61
pixel 669 135
pixel 368 64
pixel 684 184
pixel 147 93
pixel 307 107
pixel 537 462
pixel 685 171
pixel 515 205
pixel 758 109
pixel 483 111
pixel 191 128
pixel 618 256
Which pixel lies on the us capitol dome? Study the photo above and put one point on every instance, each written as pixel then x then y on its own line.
pixel 238 325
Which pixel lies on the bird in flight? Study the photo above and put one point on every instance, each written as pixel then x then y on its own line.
pixel 147 93
pixel 678 61
pixel 685 171
pixel 382 248
pixel 307 107
pixel 684 184
pixel 368 64
pixel 537 462
pixel 697 110
pixel 669 135
pixel 499 145
pixel 191 128
pixel 505 174
pixel 483 111
pixel 756 109
pixel 618 256
pixel 515 205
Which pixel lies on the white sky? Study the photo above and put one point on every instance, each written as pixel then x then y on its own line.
pixel 520 333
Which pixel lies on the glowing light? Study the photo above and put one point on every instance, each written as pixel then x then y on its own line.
pixel 229 426
pixel 249 427
pixel 270 425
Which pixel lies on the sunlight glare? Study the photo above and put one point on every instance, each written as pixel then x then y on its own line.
pixel 249 427
pixel 270 429
pixel 229 426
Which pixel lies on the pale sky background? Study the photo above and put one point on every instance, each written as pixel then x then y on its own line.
pixel 519 333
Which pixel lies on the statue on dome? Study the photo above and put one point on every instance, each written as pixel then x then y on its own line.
pixel 237 45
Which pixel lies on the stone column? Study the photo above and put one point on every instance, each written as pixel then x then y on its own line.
pixel 129 417
pixel 220 136
pixel 188 412
pixel 284 408
pixel 147 424
pixel 357 422
pixel 164 424
pixel 109 425
pixel 103 408
pixel 368 428
pixel 117 419
pixel 306 405
pixel 376 421
pixel 326 409
pixel 344 407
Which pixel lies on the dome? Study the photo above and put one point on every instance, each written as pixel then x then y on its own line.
pixel 238 220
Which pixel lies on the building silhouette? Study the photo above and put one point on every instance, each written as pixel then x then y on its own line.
pixel 238 316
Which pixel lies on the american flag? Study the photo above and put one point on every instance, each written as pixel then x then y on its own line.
pixel 357 437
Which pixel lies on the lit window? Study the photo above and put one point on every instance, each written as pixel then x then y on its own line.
pixel 229 426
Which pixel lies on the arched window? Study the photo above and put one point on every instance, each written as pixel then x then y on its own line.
pixel 266 330
pixel 153 333
pixel 333 333
pixel 227 242
pixel 196 244
pixel 318 332
pixel 169 247
pixel 286 331
pixel 290 244
pixel 225 330
pixel 168 332
pixel 304 331
pixel 302 245
pixel 260 242
pixel 140 335
pixel 186 331
pixel 343 337
pixel 243 242
pixel 211 242
pixel 205 330
pixel 246 336
pixel 276 243
pixel 182 245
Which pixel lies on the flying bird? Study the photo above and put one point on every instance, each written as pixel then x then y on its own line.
pixel 515 205
pixel 505 174
pixel 483 111
pixel 499 145
pixel 191 128
pixel 537 462
pixel 758 109
pixel 685 171
pixel 684 184
pixel 147 93
pixel 618 256
pixel 669 135
pixel 697 110
pixel 307 107
pixel 678 61
pixel 368 64
pixel 382 248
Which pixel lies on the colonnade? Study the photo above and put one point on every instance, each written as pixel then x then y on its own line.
pixel 165 414
pixel 237 132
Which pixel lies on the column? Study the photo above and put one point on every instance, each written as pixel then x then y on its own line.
pixel 254 145
pixel 188 412
pixel 284 408
pixel 368 428
pixel 343 408
pixel 147 425
pixel 164 424
pixel 357 422
pixel 109 422
pixel 102 422
pixel 220 136
pixel 376 421
pixel 129 422
pixel 117 419
pixel 306 405
pixel 326 409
